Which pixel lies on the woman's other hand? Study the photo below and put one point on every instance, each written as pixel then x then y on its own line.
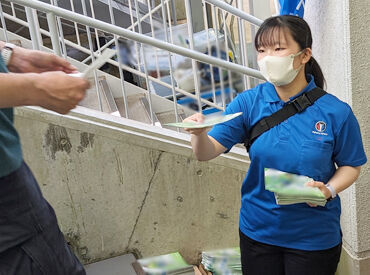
pixel 322 188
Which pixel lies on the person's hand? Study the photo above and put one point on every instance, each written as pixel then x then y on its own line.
pixel 31 61
pixel 197 118
pixel 322 188
pixel 57 91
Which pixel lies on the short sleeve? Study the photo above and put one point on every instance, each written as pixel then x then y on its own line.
pixel 349 150
pixel 233 131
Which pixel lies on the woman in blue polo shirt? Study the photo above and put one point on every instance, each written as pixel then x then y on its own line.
pixel 323 142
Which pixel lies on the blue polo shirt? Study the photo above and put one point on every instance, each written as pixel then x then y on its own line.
pixel 10 147
pixel 311 143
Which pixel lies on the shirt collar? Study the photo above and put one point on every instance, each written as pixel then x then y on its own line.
pixel 270 95
pixel 311 85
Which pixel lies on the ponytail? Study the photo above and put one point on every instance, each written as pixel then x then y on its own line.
pixel 312 67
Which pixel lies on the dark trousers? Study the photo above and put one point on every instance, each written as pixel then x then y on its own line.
pixel 31 242
pixel 263 259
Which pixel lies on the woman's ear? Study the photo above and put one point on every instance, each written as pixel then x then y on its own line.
pixel 306 56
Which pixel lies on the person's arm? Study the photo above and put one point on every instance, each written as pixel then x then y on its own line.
pixel 343 178
pixel 55 91
pixel 348 154
pixel 40 79
pixel 31 61
pixel 13 89
pixel 204 147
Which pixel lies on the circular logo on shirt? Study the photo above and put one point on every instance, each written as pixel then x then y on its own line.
pixel 320 126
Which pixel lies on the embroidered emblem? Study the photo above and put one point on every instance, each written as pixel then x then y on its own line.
pixel 320 128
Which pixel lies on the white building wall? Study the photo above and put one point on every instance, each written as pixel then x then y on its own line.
pixel 342 48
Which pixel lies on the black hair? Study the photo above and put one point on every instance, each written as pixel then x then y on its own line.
pixel 269 35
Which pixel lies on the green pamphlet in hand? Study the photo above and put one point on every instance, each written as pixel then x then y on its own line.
pixel 208 122
pixel 290 188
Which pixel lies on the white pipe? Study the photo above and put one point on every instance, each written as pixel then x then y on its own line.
pixel 84 10
pixel 189 16
pixel 153 35
pixel 164 18
pixel 209 50
pixel 113 21
pixel 237 12
pixel 220 71
pixel 54 33
pixel 142 52
pixel 32 29
pixel 3 23
pixel 146 16
pixel 75 24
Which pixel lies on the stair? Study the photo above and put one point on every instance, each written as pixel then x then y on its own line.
pixel 91 99
pixel 138 107
pixel 110 92
pixel 120 9
pixel 108 97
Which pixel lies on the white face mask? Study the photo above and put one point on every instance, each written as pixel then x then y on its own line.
pixel 279 69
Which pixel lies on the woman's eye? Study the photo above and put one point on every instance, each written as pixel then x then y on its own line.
pixel 279 49
pixel 260 51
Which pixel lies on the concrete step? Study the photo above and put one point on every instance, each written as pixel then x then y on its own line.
pixel 138 107
pixel 91 99
pixel 108 96
pixel 121 265
pixel 110 88
pixel 169 117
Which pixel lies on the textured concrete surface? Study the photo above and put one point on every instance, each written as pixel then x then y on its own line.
pixel 360 63
pixel 120 186
pixel 341 45
pixel 351 265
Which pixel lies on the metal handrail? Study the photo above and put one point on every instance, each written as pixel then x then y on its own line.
pixel 66 14
pixel 237 12
pixel 115 63
pixel 129 28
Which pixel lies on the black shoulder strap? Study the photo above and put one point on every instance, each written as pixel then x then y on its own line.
pixel 297 105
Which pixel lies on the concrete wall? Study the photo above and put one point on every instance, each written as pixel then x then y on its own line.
pixel 120 186
pixel 342 48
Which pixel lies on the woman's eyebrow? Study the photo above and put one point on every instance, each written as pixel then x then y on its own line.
pixel 281 43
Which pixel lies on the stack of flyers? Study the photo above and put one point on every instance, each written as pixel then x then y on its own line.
pixel 290 188
pixel 223 261
pixel 170 264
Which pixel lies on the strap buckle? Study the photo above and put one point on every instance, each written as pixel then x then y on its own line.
pixel 301 102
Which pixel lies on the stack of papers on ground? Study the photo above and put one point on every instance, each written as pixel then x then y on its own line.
pixel 170 264
pixel 223 261
pixel 290 188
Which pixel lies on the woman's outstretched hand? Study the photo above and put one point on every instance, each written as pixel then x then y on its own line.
pixel 197 118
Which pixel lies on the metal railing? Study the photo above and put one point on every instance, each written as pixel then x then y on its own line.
pixel 224 62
